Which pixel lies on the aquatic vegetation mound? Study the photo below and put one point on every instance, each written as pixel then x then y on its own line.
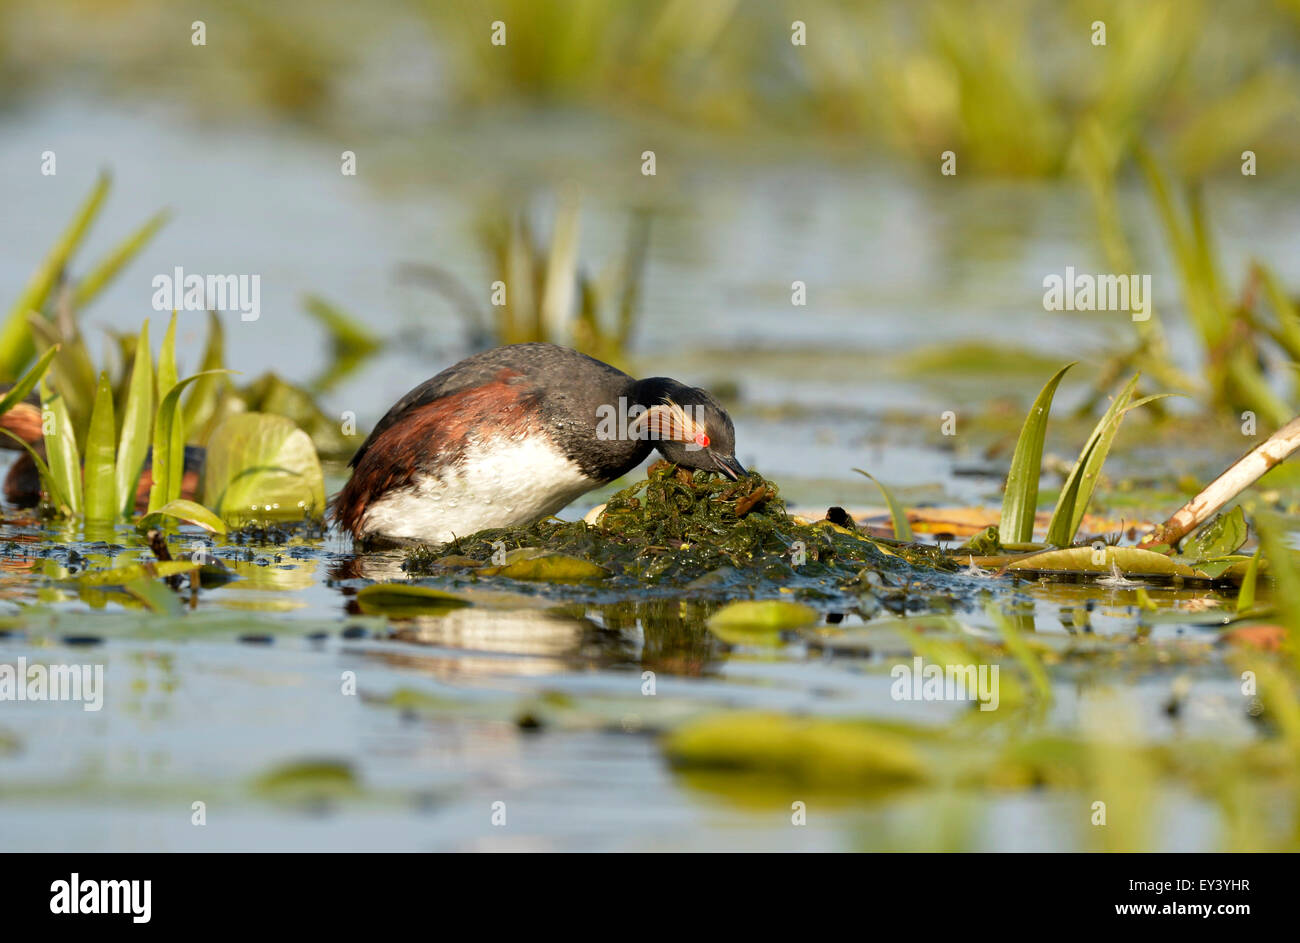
pixel 677 527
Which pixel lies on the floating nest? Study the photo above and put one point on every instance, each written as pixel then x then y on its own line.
pixel 681 527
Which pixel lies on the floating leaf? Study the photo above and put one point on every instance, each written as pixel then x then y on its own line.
pixel 189 512
pixel 902 529
pixel 534 563
pixel 260 465
pixel 1021 498
pixel 1130 561
pixel 133 572
pixel 407 599
pixel 309 781
pixel 101 501
pixel 155 596
pixel 830 754
pixel 770 614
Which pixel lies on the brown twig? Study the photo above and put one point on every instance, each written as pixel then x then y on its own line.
pixel 1241 475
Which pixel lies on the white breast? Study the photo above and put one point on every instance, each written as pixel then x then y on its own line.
pixel 511 483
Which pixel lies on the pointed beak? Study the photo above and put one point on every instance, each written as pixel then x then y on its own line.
pixel 728 465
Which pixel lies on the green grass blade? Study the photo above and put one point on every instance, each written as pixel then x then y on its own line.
pixel 73 370
pixel 113 263
pixel 902 529
pixel 27 382
pixel 137 425
pixel 169 446
pixel 61 447
pixel 1020 501
pixel 15 340
pixel 1082 480
pixel 167 375
pixel 101 499
pixel 203 399
pixel 1246 597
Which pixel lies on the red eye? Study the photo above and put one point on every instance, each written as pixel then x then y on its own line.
pixel 701 440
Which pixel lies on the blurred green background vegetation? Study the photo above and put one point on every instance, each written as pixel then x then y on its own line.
pixel 1007 84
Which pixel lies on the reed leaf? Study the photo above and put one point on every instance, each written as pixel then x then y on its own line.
pixel 1020 501
pixel 201 403
pixel 112 264
pixel 167 375
pixel 99 474
pixel 169 445
pixel 1288 329
pixel 351 343
pixel 16 342
pixel 902 528
pixel 64 457
pixel 1082 480
pixel 73 370
pixel 137 425
pixel 1246 597
pixel 27 382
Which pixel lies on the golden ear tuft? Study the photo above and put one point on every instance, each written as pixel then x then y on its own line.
pixel 667 422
